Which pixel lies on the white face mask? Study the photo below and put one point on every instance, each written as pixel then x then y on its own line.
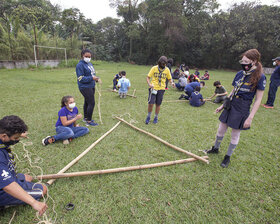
pixel 72 105
pixel 274 63
pixel 87 60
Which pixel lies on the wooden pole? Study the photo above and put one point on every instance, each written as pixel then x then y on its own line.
pixel 84 153
pixel 116 170
pixel 164 142
pixel 134 92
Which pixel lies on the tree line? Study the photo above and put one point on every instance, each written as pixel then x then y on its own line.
pixel 191 31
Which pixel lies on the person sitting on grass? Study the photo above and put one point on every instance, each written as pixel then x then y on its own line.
pixel 220 92
pixel 206 76
pixel 116 80
pixel 16 188
pixel 182 82
pixel 196 98
pixel 189 88
pixel 193 78
pixel 66 126
pixel 124 85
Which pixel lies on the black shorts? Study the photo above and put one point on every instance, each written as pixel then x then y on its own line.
pixel 237 114
pixel 155 99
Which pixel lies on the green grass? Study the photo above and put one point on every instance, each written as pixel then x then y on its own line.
pixel 246 192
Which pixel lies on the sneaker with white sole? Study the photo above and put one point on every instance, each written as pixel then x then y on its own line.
pixel 48 140
pixel 92 123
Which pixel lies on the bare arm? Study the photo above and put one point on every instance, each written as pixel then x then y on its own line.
pixel 66 122
pixel 222 94
pixel 15 190
pixel 259 95
pixel 149 83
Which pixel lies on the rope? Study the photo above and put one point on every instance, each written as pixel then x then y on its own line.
pixel 12 217
pixel 27 155
pixel 99 100
pixel 131 120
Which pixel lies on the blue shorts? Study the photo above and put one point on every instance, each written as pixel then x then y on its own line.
pixel 33 189
pixel 156 99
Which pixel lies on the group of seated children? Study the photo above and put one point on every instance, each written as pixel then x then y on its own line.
pixel 190 88
pixel 121 83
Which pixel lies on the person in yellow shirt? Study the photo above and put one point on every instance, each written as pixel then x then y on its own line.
pixel 156 80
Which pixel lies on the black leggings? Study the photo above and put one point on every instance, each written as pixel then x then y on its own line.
pixel 89 103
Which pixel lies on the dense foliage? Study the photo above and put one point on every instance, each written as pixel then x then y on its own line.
pixel 190 31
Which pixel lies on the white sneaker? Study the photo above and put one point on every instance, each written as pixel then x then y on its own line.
pixel 65 142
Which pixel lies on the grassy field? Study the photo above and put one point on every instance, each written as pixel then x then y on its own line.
pixel 246 192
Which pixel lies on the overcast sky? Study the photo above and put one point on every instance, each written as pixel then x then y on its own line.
pixel 99 9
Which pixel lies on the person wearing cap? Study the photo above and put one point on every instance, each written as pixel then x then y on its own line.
pixel 156 80
pixel 274 84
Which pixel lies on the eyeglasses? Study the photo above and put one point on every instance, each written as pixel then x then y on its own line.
pixel 244 62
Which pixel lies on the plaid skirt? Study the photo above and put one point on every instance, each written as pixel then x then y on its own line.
pixel 237 114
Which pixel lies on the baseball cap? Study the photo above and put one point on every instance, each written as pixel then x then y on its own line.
pixel 277 58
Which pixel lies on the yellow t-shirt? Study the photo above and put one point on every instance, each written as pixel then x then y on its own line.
pixel 158 77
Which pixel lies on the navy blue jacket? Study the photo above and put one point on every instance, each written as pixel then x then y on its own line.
pixel 84 72
pixel 276 73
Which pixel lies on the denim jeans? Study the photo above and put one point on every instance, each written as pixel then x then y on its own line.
pixel 63 133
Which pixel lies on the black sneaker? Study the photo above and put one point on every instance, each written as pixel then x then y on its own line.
pixel 48 140
pixel 212 150
pixel 226 161
pixel 182 96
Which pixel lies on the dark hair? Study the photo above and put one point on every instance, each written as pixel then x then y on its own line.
pixel 11 125
pixel 162 59
pixel 123 73
pixel 254 55
pixel 85 51
pixel 197 89
pixel 187 68
pixel 170 61
pixel 216 83
pixel 64 100
pixel 203 83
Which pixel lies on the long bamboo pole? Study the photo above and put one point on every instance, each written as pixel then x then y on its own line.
pixel 164 142
pixel 117 170
pixel 84 152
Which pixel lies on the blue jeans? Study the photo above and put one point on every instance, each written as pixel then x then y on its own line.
pixel 63 133
pixel 272 91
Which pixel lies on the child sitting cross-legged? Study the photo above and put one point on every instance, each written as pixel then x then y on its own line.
pixel 196 98
pixel 66 127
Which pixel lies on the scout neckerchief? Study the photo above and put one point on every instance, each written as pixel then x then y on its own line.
pixel 240 83
pixel 160 74
pixel 11 156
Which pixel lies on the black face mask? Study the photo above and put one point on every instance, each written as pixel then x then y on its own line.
pixel 246 67
pixel 11 142
pixel 161 65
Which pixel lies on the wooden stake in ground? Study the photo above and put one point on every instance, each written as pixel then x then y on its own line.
pixel 84 153
pixel 134 92
pixel 117 170
pixel 164 142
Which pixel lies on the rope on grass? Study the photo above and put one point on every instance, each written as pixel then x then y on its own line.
pixel 12 217
pixel 99 100
pixel 27 155
pixel 131 120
